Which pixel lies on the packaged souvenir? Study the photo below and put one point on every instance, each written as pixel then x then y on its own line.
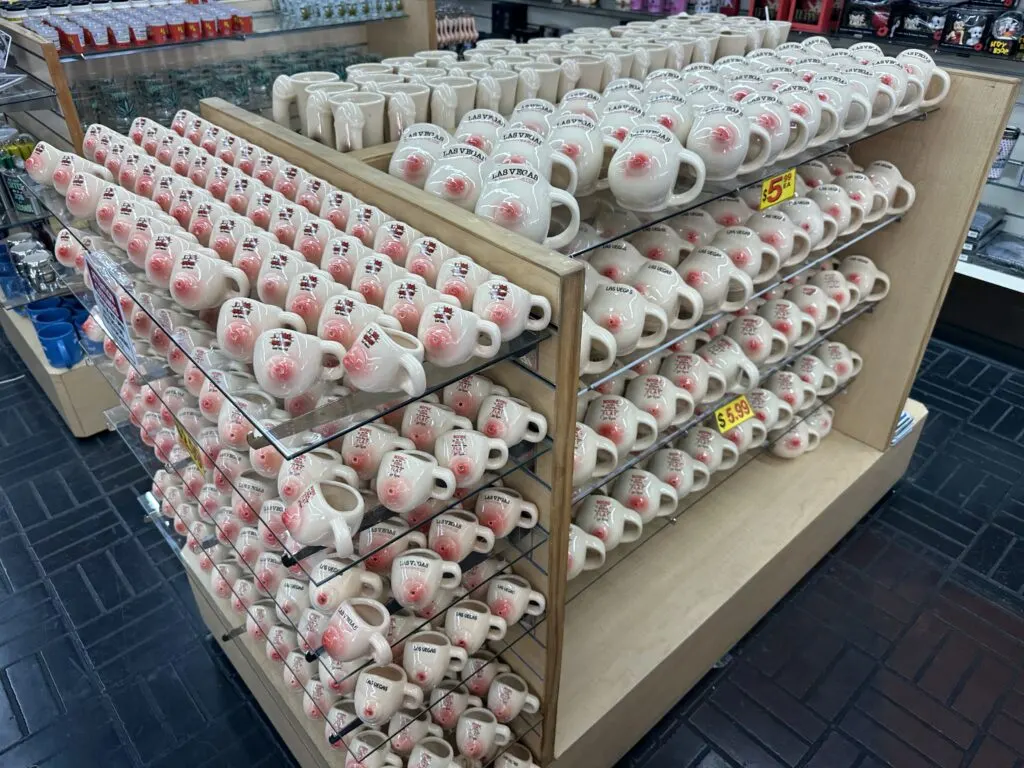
pixel 967 28
pixel 921 21
pixel 865 18
pixel 1004 39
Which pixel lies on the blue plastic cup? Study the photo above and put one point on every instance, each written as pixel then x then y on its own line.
pixel 60 345
pixel 39 305
pixel 50 316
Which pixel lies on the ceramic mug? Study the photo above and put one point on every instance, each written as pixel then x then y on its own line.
pixel 644 170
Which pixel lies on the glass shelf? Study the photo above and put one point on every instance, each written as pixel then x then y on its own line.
pixel 25 92
pixel 522 457
pixel 609 9
pixel 676 432
pixel 266 24
pixel 840 245
pixel 628 223
pixel 298 434
pixel 654 527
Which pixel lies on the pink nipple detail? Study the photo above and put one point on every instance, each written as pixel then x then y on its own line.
pixel 306 306
pixel 446 547
pixel 694 278
pixel 414 166
pixel 494 428
pixel 614 432
pixel 282 369
pixel 185 286
pixel 285 233
pixel 462 467
pixel 509 211
pixel 455 186
pixel 723 134
pixel 438 338
pixel 394 249
pixel 638 163
pixel 612 321
pixel 393 492
pixel 372 291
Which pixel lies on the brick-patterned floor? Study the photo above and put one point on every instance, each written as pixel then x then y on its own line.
pixel 905 647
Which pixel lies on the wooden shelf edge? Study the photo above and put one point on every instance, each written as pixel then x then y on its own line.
pixel 639 640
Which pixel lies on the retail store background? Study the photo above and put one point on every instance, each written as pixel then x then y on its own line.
pixel 905 647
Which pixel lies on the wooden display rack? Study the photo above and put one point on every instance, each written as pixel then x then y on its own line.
pixel 624 644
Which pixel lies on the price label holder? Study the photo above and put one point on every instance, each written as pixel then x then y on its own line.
pixel 190 446
pixel 778 189
pixel 103 275
pixel 733 414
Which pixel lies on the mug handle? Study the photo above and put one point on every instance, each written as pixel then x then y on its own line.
pixel 501 454
pixel 531 706
pixel 345 474
pixel 859 100
pixel 827 110
pixel 342 536
pixel 566 236
pixel 529 81
pixel 889 95
pixel 451 575
pixel 656 336
pixel 444 484
pixel 694 161
pixel 909 192
pixel 730 456
pixel 670 501
pixel 685 411
pixel 571 74
pixel 443 106
pixel 799 137
pixel 614 66
pixel 832 314
pixel 880 277
pixel 854 294
pixel 540 305
pixel 809 393
pixel 337 350
pixel 558 158
pixel 416 540
pixel 826 387
pixel 488 93
pixel 491 343
pixel 497 629
pixel 858 215
pixel 484 540
pixel 632 526
pixel 771 262
pixel 604 338
pixel 502 735
pixel 943 76
pixel 412 698
pixel 813 440
pixel 401 114
pixel 807 330
pixel 415 380
pixel 536 604
pixel 282 93
pixel 764 143
pixel 536 427
pixel 642 58
pixel 402 444
pixel 645 419
pixel 748 376
pixel 778 339
pixel 348 127
pixel 608 447
pixel 239 278
pixel 802 244
pixel 393 760
pixel 461 422
pixel 380 649
pixel 858 363
pixel 457 659
pixel 785 415
pixel 292 321
pixel 831 233
pixel 745 284
pixel 914 101
pixel 529 515
pixel 316 121
pixel 701 477
pixel 370 584
pixel 759 433
pixel 716 386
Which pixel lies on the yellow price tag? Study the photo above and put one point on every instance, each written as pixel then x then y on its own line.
pixel 189 445
pixel 778 188
pixel 733 413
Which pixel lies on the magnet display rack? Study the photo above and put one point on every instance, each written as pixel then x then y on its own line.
pixel 619 646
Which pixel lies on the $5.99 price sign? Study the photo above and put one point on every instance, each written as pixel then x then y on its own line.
pixel 778 189
pixel 733 414
pixel 190 446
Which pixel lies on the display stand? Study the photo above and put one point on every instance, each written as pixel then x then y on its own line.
pixel 626 642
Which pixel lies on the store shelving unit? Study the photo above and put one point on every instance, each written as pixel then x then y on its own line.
pixel 624 643
pixel 617 647
pixel 990 275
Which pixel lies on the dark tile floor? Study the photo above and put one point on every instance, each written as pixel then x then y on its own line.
pixel 905 647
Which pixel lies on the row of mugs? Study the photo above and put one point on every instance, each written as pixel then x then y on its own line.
pixel 617 514
pixel 631 418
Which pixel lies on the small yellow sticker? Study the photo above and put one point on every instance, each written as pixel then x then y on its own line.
pixel 733 413
pixel 778 188
pixel 190 446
